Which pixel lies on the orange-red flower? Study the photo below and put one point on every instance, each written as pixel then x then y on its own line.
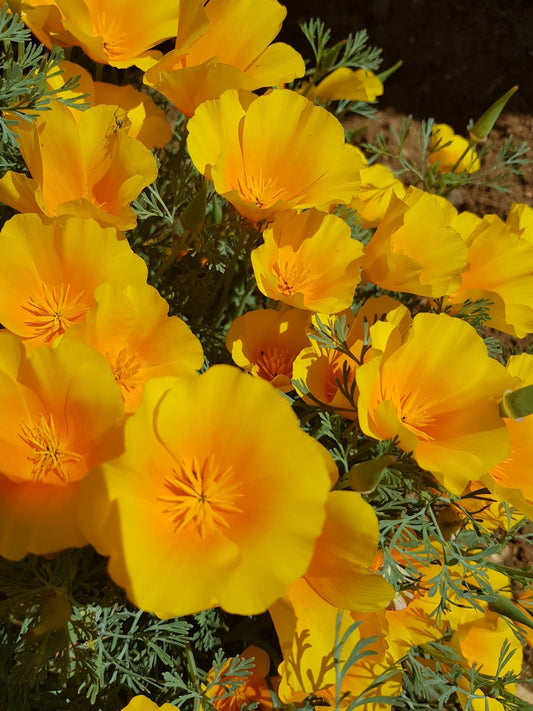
pixel 227 694
pixel 49 270
pixel 62 415
pixel 82 163
pixel 200 481
pixel 205 63
pixel 273 152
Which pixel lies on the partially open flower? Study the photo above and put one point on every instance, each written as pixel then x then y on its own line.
pixel 205 63
pixel 265 342
pixel 346 83
pixel 451 153
pixel 310 261
pixel 438 394
pixel 414 248
pixel 82 163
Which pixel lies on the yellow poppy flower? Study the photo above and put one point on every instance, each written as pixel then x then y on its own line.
pixel 324 370
pixel 207 484
pixel 265 343
pixel 309 261
pixel 204 63
pixel 513 473
pixel 82 163
pixel 414 248
pixel 62 416
pixel 520 220
pixel 500 268
pixel 438 393
pixel 121 35
pixel 451 153
pixel 350 84
pixel 49 270
pixel 131 328
pixel 253 149
pixel 378 185
pixel 143 703
pixel 142 119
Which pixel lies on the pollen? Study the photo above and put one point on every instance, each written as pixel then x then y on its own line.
pixel 272 362
pixel 48 455
pixel 125 367
pixel 53 311
pixel 202 495
pixel 293 277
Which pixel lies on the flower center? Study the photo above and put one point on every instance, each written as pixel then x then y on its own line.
pixel 54 311
pixel 272 362
pixel 292 276
pixel 261 190
pixel 125 367
pixel 202 495
pixel 414 411
pixel 48 453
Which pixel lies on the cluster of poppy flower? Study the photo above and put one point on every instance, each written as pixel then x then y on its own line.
pixel 115 440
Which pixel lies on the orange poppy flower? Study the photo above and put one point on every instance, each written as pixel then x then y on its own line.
pixel 49 270
pixel 438 393
pixel 204 63
pixel 208 485
pixel 265 343
pixel 130 326
pixel 120 36
pixel 141 118
pixel 308 260
pixel 82 163
pixel 62 415
pixel 253 149
pixel 253 690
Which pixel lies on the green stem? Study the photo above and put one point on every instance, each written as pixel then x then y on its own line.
pixel 192 671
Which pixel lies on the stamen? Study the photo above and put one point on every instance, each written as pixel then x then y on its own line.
pixel 48 454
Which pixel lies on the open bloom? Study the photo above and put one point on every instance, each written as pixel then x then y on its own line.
pixel 205 62
pixel 265 343
pixel 414 249
pixel 308 260
pixel 273 152
pixel 438 393
pixel 200 481
pixel 62 415
pixel 49 270
pixel 451 153
pixel 130 326
pixel 82 163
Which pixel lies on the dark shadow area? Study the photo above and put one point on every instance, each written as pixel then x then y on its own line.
pixel 458 55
